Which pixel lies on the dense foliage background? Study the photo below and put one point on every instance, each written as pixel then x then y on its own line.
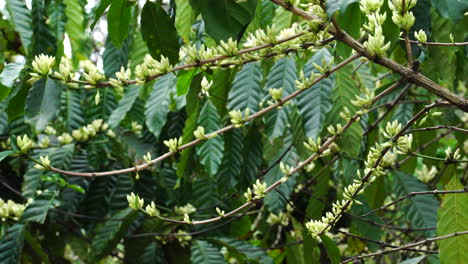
pixel 87 123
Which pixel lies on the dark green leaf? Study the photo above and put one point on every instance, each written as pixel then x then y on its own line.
pixel 210 151
pixel 204 252
pixel 159 32
pixel 124 105
pixel 43 103
pixel 333 253
pixel 422 209
pixel 335 5
pixel 5 154
pixel 157 105
pixel 43 40
pixel 11 244
pixel 118 21
pixel 451 9
pixel 246 89
pixel 38 209
pixel 225 18
pixel 453 217
pixel 103 4
pixel 110 233
pixel 10 73
pixel 115 58
pixel 21 18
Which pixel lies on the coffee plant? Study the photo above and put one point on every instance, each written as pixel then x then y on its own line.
pixel 233 131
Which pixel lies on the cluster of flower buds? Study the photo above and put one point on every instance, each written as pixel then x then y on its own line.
pixel 205 86
pixel 151 210
pixel 257 193
pixel 305 82
pixel 184 240
pixel 236 117
pixel 11 210
pixel 317 12
pixel 44 163
pixel 402 17
pixel 220 212
pixel 425 175
pixel 66 73
pixel 421 36
pixel 151 67
pixel 313 145
pixel 281 218
pixel 85 132
pixel 375 43
pixel 452 155
pixel 24 143
pixel 134 201
pixel 123 76
pixel 335 131
pixel 186 209
pixel 91 74
pixel 173 144
pixel 136 128
pixel 199 133
pixel 147 158
pixel 365 101
pixel 42 67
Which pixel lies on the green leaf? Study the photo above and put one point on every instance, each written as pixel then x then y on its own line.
pixel 103 4
pixel 11 244
pixel 225 18
pixel 57 22
pixel 205 252
pixel 422 209
pixel 335 5
pixel 21 18
pixel 282 18
pixel 185 16
pixel 138 51
pixel 109 234
pixel 71 109
pixel 232 160
pixel 124 105
pixel 5 154
pixel 333 253
pixel 453 217
pixel 349 21
pixel 118 21
pixel 184 79
pixel 210 151
pixel 42 103
pixel 252 156
pixel 451 9
pixel 157 105
pixel 115 58
pixel 246 89
pixel 415 260
pixel 38 209
pixel 344 91
pixel 75 27
pixel 159 32
pixel 43 40
pixel 250 252
pixel 10 73
pixel 315 103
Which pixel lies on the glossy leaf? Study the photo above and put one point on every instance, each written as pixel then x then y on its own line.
pixel 11 244
pixel 43 103
pixel 158 103
pixel 124 105
pixel 159 32
pixel 246 89
pixel 204 252
pixel 118 20
pixel 22 20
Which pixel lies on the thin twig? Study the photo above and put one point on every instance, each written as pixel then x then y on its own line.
pixel 412 194
pixel 439 43
pixel 454 128
pixel 383 252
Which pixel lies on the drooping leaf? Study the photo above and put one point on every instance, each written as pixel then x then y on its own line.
pixel 71 107
pixel 251 252
pixel 124 105
pixel 115 58
pixel 338 5
pixel 10 73
pixel 343 93
pixel 75 27
pixel 185 16
pixel 422 209
pixel 210 151
pixel 204 252
pixel 5 154
pixel 225 18
pixel 43 103
pixel 43 41
pixel 22 21
pixel 103 5
pixel 415 260
pixel 232 160
pixel 157 105
pixel 349 20
pixel 332 250
pixel 451 9
pixel 159 32
pixel 38 209
pixel 246 89
pixel 118 21
pixel 315 103
pixel 110 233
pixel 57 22
pixel 11 244
pixel 252 156
pixel 453 217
